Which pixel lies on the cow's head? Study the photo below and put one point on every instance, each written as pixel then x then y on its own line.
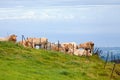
pixel 13 38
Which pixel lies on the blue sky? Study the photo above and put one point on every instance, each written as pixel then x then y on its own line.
pixel 64 20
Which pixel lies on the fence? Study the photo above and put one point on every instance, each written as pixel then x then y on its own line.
pixel 114 60
pixel 111 58
pixel 49 45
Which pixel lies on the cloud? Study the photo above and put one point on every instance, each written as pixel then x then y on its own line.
pixel 34 14
pixel 97 14
pixel 8 14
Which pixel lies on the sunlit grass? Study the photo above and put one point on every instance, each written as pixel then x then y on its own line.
pixel 19 63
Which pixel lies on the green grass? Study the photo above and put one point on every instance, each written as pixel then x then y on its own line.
pixel 19 63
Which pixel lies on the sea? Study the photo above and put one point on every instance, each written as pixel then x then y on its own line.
pixel 109 53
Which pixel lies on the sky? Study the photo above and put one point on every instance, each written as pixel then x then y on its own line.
pixel 64 20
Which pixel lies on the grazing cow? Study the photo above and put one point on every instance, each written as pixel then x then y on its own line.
pixel 56 47
pixel 25 43
pixel 69 47
pixel 12 38
pixel 87 46
pixel 38 41
pixel 83 52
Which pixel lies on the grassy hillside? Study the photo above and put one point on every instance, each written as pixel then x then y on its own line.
pixel 19 63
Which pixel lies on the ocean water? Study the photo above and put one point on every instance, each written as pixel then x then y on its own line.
pixel 113 53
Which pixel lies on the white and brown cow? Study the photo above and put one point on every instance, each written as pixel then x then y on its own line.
pixel 38 41
pixel 69 47
pixel 82 52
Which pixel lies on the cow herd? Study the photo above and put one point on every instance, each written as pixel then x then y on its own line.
pixel 83 49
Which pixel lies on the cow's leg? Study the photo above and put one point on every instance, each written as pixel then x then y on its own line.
pixel 86 52
pixel 46 46
pixel 33 45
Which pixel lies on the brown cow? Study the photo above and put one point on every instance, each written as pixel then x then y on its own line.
pixel 12 38
pixel 69 47
pixel 38 41
pixel 87 46
pixel 56 47
pixel 25 43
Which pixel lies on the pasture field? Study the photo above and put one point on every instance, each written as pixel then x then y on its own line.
pixel 19 63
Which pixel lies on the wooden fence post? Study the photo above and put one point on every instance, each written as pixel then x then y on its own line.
pixel 46 46
pixel 58 45
pixel 39 44
pixel 112 70
pixel 73 49
pixel 106 60
pixel 22 39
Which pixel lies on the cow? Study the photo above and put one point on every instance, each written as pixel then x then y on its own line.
pixel 56 47
pixel 38 41
pixel 12 38
pixel 82 52
pixel 25 43
pixel 69 47
pixel 87 46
